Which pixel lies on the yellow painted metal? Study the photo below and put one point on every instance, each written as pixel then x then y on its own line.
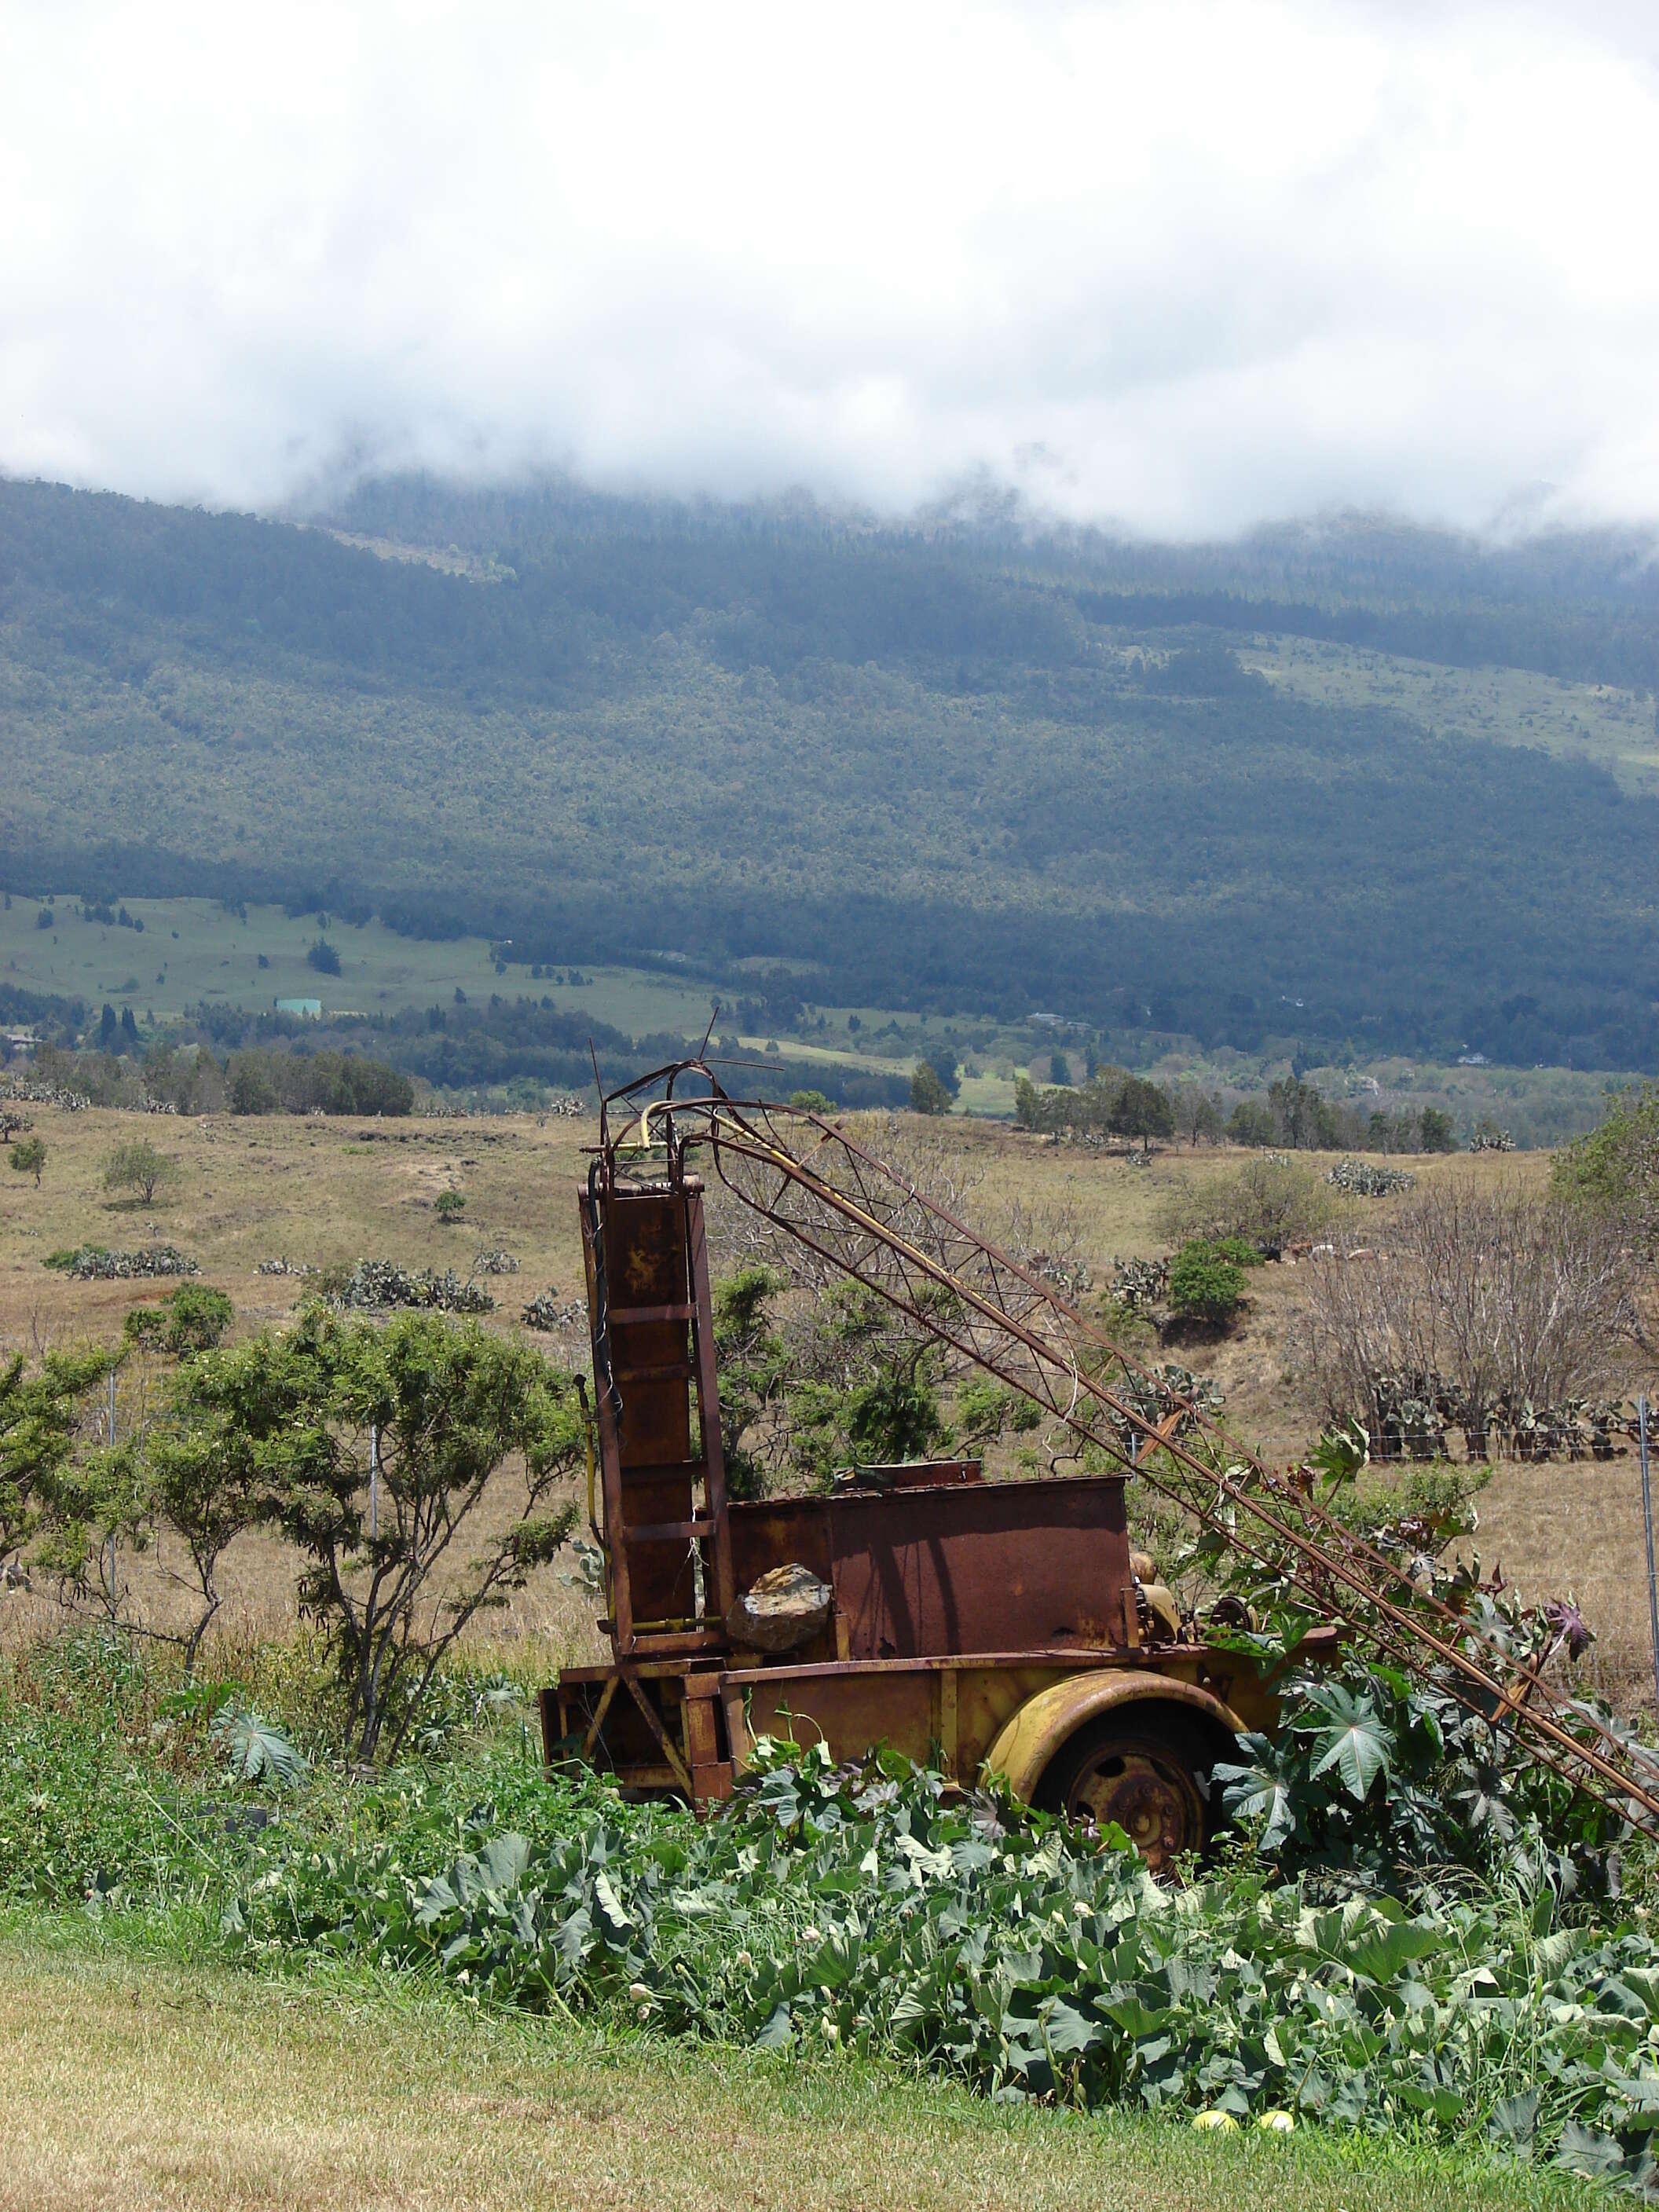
pixel 1027 1743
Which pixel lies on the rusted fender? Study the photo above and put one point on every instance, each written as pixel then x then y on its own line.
pixel 1043 1724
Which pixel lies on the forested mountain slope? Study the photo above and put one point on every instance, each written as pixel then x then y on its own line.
pixel 964 768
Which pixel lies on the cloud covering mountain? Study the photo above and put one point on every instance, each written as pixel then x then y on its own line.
pixel 1177 267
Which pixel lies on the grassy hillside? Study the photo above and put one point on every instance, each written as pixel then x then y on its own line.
pixel 324 1193
pixel 956 772
pixel 457 1012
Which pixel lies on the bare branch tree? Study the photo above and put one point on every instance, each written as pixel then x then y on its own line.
pixel 1510 1300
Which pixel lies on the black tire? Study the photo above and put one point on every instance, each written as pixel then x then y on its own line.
pixel 1148 1769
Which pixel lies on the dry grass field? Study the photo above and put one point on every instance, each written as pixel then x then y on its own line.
pixel 320 1192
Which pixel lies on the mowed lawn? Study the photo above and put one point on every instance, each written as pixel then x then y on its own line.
pixel 130 2082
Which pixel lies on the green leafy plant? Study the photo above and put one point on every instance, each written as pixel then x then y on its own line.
pixel 38 1411
pixel 29 1156
pixel 870 1908
pixel 136 1164
pixel 866 1909
pixel 1204 1285
pixel 449 1206
pixel 193 1318
pixel 429 1409
pixel 1239 1251
pixel 256 1751
pixel 984 1411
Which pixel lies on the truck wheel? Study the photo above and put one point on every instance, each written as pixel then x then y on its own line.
pixel 1150 1775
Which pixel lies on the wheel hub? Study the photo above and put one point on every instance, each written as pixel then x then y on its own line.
pixel 1155 1805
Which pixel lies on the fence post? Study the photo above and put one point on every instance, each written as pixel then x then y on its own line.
pixel 1647 1519
pixel 109 1542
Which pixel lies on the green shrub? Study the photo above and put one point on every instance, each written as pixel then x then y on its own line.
pixel 29 1156
pixel 1240 1251
pixel 1268 1203
pixel 1204 1285
pixel 193 1319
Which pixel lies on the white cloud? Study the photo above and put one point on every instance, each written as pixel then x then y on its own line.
pixel 1182 267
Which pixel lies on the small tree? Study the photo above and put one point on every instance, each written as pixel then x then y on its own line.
pixel 753 1363
pixel 1198 1114
pixel 322 957
pixel 1142 1109
pixel 1614 1170
pixel 447 1405
pixel 29 1157
pixel 943 1061
pixel 137 1165
pixel 38 1417
pixel 1504 1300
pixel 927 1093
pixel 1267 1202
pixel 1436 1132
pixel 180 1476
pixel 206 1477
pixel 863 1387
pixel 450 1207
pixel 1251 1122
pixel 252 1089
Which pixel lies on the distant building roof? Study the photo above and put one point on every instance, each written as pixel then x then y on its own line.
pixel 312 1008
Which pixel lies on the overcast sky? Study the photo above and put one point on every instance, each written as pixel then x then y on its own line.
pixel 1182 268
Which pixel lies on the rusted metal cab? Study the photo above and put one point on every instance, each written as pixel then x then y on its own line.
pixel 975 1624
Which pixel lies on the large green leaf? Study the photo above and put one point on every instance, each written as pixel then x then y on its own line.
pixel 503 1859
pixel 1256 1794
pixel 256 1751
pixel 1381 1952
pixel 1352 1741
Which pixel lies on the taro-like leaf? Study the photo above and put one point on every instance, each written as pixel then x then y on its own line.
pixel 1588 2150
pixel 1134 2017
pixel 1515 2119
pixel 1067 2029
pixel 436 1900
pixel 504 1859
pixel 610 1905
pixel 1381 1952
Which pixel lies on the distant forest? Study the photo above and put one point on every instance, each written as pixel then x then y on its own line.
pixel 964 770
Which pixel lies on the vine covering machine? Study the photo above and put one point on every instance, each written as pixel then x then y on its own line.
pixel 974 1625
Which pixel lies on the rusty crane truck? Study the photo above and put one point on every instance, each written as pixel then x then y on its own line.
pixel 970 1624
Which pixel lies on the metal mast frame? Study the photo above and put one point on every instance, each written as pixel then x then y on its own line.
pixel 817 1184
